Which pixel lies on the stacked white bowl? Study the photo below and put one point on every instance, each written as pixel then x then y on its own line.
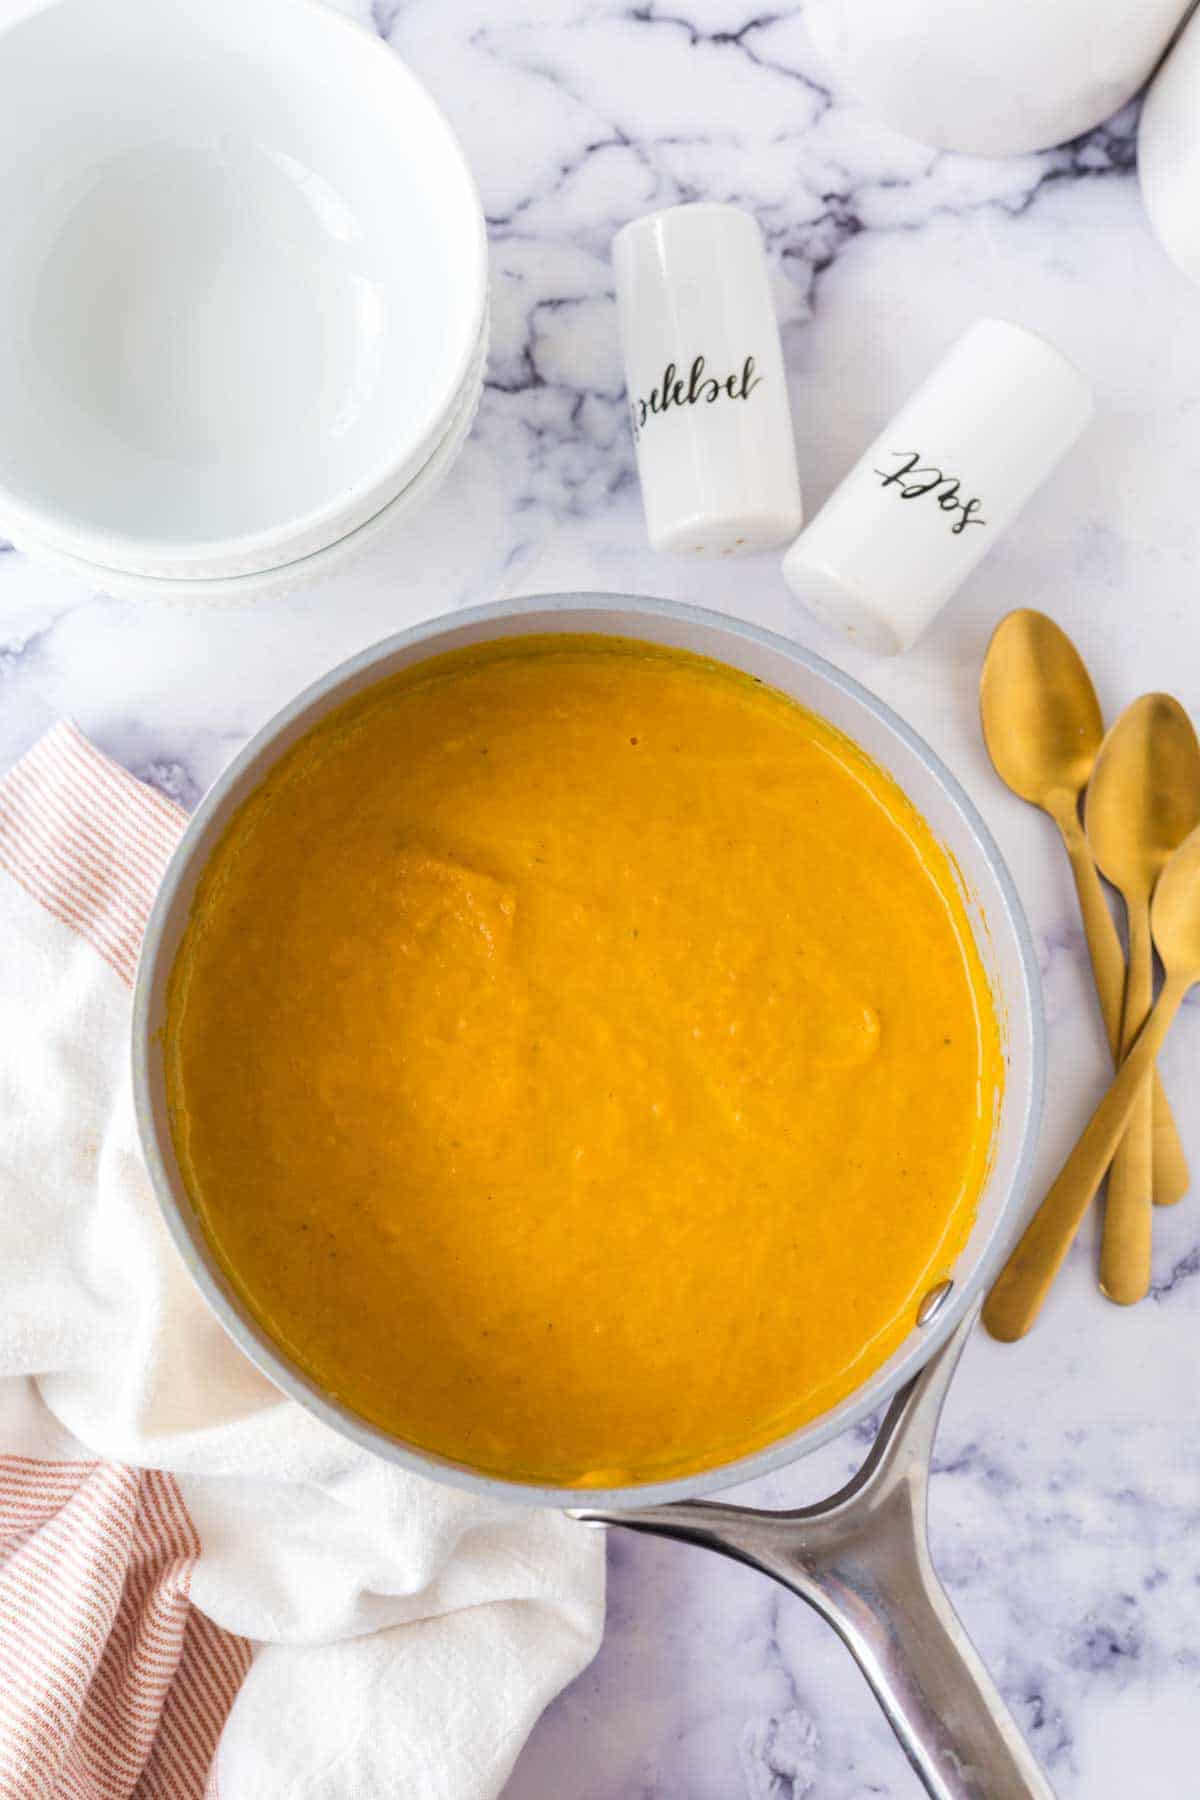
pixel 243 312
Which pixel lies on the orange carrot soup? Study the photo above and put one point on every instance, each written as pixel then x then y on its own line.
pixel 580 1060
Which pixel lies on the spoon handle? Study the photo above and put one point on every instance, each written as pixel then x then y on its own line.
pixel 1026 1278
pixel 1171 1176
pixel 1125 1248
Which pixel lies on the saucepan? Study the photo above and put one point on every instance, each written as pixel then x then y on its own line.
pixel 861 1557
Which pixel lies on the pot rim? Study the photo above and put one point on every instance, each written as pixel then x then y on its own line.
pixel 184 1226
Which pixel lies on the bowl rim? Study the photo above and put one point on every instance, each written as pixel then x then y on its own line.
pixel 373 488
pixel 284 577
pixel 176 1208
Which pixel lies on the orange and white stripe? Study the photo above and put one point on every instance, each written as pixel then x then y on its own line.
pixel 88 841
pixel 112 1685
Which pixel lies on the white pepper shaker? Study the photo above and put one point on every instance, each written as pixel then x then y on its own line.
pixel 935 490
pixel 707 391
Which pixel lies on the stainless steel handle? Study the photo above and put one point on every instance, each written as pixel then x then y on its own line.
pixel 862 1560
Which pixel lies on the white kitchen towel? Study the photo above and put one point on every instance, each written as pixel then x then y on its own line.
pixel 184 1554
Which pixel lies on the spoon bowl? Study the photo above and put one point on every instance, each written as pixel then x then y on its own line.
pixel 1144 794
pixel 1041 718
pixel 1175 915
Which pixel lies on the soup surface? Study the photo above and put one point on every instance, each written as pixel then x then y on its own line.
pixel 580 1060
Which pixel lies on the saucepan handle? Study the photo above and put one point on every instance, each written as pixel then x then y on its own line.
pixel 887 1604
pixel 862 1560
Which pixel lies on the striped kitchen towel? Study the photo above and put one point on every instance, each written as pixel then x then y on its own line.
pixel 202 1589
pixel 111 1682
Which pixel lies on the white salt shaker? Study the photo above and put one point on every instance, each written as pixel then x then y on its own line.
pixel 926 502
pixel 705 378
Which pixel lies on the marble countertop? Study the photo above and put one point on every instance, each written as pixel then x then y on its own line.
pixel 1066 1506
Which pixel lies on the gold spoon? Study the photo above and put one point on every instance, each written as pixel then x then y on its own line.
pixel 1043 729
pixel 1025 1280
pixel 1142 801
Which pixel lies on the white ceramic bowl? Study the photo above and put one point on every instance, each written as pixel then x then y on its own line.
pixel 267 584
pixel 243 282
pixel 989 77
pixel 1168 152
